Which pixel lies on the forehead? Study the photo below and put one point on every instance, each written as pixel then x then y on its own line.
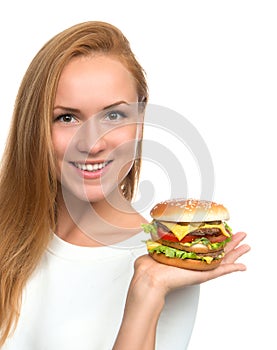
pixel 95 79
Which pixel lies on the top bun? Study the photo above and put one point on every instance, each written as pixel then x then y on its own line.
pixel 189 210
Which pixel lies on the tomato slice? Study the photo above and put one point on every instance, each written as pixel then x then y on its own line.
pixel 169 236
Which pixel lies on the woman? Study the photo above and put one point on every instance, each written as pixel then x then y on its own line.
pixel 74 273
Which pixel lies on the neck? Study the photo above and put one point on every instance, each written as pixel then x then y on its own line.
pixel 99 223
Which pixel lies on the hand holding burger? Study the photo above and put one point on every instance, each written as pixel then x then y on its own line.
pixel 188 233
pixel 187 227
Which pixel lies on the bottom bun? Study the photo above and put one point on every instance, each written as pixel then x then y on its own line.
pixel 190 264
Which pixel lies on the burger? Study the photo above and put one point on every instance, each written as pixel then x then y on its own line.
pixel 188 233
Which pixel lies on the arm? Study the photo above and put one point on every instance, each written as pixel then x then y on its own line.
pixel 152 282
pixel 142 311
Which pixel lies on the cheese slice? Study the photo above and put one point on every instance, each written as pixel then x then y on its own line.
pixel 208 259
pixel 152 244
pixel 180 231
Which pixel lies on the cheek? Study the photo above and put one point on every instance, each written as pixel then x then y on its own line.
pixel 125 137
pixel 124 149
pixel 60 142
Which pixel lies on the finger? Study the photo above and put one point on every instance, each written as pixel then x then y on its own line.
pixel 225 269
pixel 234 254
pixel 237 238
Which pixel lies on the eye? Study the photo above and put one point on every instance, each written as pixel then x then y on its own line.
pixel 115 116
pixel 66 118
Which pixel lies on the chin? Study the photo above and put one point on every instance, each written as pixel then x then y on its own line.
pixel 89 194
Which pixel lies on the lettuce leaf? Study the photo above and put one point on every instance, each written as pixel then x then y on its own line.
pixel 176 253
pixel 206 242
pixel 150 228
pixel 228 228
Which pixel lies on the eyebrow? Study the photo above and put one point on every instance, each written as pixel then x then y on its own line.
pixel 116 104
pixel 76 110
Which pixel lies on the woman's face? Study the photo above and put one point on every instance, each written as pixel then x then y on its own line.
pixel 95 126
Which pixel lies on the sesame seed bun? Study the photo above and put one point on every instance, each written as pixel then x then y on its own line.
pixel 189 210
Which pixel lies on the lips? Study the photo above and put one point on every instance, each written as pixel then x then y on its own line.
pixel 90 167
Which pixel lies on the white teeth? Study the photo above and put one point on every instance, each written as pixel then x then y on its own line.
pixel 90 167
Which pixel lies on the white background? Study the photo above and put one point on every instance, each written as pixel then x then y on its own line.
pixel 215 62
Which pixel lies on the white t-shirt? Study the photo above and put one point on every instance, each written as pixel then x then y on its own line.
pixel 76 297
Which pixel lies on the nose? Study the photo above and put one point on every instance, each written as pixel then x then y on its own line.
pixel 89 140
pixel 85 147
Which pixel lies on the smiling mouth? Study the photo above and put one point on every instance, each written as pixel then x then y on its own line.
pixel 91 167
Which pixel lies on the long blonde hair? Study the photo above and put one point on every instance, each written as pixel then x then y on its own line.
pixel 28 184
